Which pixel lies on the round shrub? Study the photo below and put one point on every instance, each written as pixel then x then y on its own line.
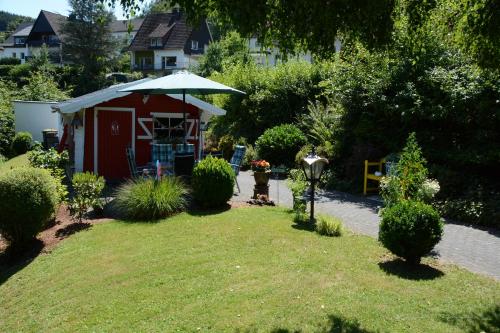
pixel 410 229
pixel 213 182
pixel 28 199
pixel 22 142
pixel 148 199
pixel 280 144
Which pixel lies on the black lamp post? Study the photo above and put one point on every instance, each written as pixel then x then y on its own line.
pixel 313 166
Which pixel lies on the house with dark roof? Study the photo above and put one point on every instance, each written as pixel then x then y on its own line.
pixel 15 45
pixel 166 42
pixel 29 38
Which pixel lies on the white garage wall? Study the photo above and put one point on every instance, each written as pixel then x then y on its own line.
pixel 34 117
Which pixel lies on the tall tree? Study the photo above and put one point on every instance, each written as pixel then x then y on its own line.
pixel 89 44
pixel 232 49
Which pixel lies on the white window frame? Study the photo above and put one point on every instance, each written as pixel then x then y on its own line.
pixel 189 121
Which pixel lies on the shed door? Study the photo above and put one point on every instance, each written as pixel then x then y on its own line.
pixel 114 136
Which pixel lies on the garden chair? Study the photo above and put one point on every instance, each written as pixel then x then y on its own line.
pixel 236 161
pixel 135 171
pixel 377 177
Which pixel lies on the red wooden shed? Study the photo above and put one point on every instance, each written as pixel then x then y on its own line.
pixel 101 125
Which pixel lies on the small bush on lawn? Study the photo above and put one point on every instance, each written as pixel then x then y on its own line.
pixel 213 182
pixel 147 199
pixel 280 144
pixel 410 229
pixel 329 226
pixel 54 162
pixel 22 143
pixel 28 199
pixel 88 188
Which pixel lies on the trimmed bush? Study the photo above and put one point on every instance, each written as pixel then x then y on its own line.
pixel 10 61
pixel 88 188
pixel 147 199
pixel 213 182
pixel 28 199
pixel 329 226
pixel 280 144
pixel 410 229
pixel 22 143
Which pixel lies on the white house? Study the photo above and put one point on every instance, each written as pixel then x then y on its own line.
pixel 165 41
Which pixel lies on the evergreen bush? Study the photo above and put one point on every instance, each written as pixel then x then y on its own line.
pixel 22 143
pixel 280 144
pixel 410 229
pixel 213 182
pixel 28 199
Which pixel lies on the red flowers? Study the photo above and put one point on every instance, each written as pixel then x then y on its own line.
pixel 260 165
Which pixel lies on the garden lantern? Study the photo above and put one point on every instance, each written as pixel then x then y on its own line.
pixel 313 166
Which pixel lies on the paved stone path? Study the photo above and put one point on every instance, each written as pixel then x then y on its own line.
pixel 475 249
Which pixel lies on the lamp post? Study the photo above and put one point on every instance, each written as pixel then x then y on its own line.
pixel 313 166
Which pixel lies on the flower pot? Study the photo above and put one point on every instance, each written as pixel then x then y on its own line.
pixel 261 177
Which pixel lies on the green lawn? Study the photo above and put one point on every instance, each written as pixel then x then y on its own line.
pixel 16 162
pixel 244 270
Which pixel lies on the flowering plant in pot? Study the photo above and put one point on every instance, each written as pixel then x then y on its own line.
pixel 261 171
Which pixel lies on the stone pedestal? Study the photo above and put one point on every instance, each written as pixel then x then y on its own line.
pixel 260 190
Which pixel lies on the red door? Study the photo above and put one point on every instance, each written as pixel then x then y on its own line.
pixel 114 136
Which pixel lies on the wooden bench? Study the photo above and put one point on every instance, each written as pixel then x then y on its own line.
pixel 369 166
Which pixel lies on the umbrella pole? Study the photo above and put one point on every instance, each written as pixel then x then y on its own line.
pixel 184 116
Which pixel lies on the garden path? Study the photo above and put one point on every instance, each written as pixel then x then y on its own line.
pixel 476 249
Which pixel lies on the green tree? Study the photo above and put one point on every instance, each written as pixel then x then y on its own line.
pixel 42 87
pixel 40 62
pixel 229 51
pixel 472 25
pixel 88 43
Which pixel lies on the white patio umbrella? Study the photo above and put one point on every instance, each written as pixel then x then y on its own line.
pixel 181 82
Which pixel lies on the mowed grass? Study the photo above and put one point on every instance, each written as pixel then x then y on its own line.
pixel 243 270
pixel 16 162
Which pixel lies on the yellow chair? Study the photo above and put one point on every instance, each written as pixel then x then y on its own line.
pixel 371 176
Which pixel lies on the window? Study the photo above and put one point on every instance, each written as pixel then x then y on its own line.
pixel 156 42
pixel 53 39
pixel 13 54
pixel 22 55
pixel 168 130
pixel 194 45
pixel 19 40
pixel 168 62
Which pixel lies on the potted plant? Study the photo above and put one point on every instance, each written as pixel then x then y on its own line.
pixel 261 172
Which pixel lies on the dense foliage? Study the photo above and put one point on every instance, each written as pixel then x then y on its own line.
pixel 87 189
pixel 280 144
pixel 213 182
pixel 148 199
pixel 410 229
pixel 232 49
pixel 22 143
pixel 7 132
pixel 28 199
pixel 55 163
pixel 273 96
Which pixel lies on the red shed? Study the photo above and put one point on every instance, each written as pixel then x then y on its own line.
pixel 98 127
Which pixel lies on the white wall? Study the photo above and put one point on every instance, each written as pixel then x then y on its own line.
pixel 183 60
pixel 8 52
pixel 34 117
